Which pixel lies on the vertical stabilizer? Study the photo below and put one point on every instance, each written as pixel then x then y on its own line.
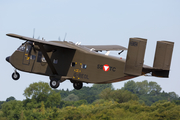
pixel 135 56
pixel 162 59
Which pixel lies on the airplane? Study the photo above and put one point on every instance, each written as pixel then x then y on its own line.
pixel 63 60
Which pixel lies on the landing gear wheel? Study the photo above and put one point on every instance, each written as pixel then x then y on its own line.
pixel 15 76
pixel 54 83
pixel 77 85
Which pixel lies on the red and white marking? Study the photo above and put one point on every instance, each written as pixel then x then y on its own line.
pixel 106 67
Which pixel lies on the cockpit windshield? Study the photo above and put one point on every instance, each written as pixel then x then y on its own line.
pixel 22 47
pixel 25 47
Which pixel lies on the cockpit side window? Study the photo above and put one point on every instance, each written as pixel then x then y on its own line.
pixel 22 48
pixel 28 48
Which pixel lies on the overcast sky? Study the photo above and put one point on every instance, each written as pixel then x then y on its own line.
pixel 101 22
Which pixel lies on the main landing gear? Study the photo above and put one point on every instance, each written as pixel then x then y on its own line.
pixel 54 83
pixel 15 75
pixel 77 85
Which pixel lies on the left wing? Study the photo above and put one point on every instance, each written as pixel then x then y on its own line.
pixel 36 41
pixel 41 44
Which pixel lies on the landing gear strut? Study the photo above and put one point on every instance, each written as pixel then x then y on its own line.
pixel 15 75
pixel 78 85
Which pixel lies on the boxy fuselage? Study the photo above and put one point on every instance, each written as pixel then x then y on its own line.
pixel 81 64
pixel 62 60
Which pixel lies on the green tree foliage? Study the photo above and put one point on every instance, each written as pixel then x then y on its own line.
pixel 1 102
pixel 114 104
pixel 90 94
pixel 149 92
pixel 38 92
pixel 130 86
pixel 71 97
pixel 53 99
pixel 12 109
pixel 119 96
pixel 99 111
pixel 100 87
pixel 142 88
pixel 10 98
pixel 154 88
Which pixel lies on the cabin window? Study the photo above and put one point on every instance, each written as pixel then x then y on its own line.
pixel 84 66
pixel 55 61
pixel 39 57
pixel 43 59
pixel 73 64
pixel 32 57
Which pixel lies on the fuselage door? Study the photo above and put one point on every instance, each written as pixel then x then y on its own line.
pixel 27 52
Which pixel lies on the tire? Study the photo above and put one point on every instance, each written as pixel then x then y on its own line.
pixel 54 83
pixel 77 85
pixel 15 76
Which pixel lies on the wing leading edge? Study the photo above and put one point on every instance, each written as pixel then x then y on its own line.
pixel 39 41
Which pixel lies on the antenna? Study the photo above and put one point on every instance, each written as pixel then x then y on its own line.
pixel 65 36
pixel 59 38
pixel 33 32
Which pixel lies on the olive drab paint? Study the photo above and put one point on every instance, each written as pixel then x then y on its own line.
pixel 62 60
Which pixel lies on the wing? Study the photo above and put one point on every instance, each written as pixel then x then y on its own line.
pixel 36 41
pixel 42 45
pixel 105 47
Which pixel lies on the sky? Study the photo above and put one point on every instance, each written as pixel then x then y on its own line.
pixel 95 22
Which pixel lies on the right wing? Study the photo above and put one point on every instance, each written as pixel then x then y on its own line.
pixel 105 47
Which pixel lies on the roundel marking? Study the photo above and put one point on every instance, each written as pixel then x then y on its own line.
pixel 106 67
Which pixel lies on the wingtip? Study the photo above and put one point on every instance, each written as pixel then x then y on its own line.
pixel 14 35
pixel 11 34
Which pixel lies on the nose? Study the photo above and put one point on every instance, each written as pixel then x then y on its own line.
pixel 7 59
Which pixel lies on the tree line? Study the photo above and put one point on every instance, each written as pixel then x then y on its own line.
pixel 101 101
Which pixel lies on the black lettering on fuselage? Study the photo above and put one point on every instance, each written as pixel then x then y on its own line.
pixel 80 75
pixel 99 66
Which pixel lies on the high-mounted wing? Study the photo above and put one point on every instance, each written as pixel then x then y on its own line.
pixel 105 47
pixel 41 44
pixel 38 41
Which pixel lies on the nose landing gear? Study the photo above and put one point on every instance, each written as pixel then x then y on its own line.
pixel 15 75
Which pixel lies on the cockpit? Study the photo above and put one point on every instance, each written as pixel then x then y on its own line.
pixel 22 47
pixel 25 47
